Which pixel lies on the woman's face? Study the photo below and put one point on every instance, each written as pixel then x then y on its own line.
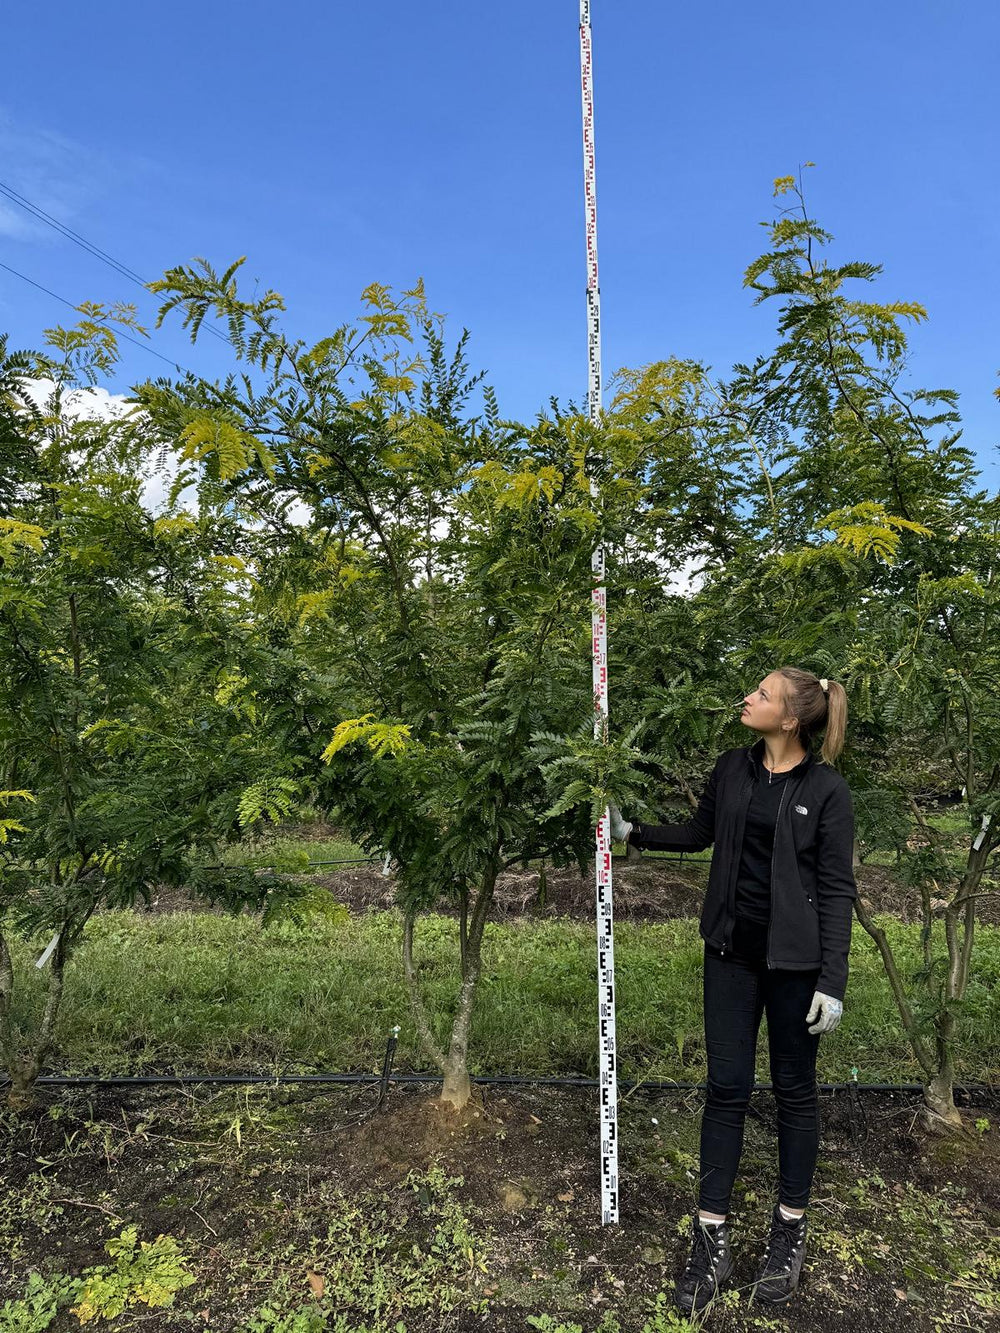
pixel 764 709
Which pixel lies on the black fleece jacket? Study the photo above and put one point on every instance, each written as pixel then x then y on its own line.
pixel 812 868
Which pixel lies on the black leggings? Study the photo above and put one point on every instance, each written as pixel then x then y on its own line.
pixel 739 987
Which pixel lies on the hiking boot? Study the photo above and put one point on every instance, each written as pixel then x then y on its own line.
pixel 709 1264
pixel 778 1275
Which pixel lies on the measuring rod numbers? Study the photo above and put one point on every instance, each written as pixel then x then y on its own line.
pixel 599 645
pixel 590 218
pixel 607 1052
pixel 606 1021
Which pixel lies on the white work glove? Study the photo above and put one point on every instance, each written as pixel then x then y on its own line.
pixel 620 828
pixel 829 1010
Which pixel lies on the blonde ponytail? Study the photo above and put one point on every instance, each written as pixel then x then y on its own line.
pixel 817 705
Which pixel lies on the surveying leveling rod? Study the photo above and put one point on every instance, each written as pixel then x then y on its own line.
pixel 599 635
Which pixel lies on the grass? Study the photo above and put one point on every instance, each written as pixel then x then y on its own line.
pixel 289 853
pixel 191 991
pixel 956 828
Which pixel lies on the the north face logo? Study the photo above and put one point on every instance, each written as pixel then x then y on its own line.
pixel 802 809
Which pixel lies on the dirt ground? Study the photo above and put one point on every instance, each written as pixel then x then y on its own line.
pixel 293 1205
pixel 650 889
pixel 302 1209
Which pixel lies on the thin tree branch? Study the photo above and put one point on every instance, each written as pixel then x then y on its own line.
pixel 420 1016
pixel 924 1058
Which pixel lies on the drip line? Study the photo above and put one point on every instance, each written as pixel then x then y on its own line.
pixel 485 1080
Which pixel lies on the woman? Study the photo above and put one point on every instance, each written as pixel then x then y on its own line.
pixel 776 922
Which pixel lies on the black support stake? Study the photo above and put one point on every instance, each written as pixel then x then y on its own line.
pixel 390 1055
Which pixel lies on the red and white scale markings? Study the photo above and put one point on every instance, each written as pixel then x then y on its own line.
pixel 599 627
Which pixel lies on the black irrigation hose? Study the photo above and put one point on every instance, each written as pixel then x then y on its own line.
pixel 312 865
pixel 487 1080
pixel 351 861
pixel 683 858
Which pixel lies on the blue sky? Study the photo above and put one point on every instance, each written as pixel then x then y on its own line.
pixel 335 144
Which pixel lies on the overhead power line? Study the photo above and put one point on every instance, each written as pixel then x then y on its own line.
pixel 117 332
pixel 68 232
pixel 35 210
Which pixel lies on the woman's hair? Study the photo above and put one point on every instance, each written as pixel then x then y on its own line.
pixel 813 710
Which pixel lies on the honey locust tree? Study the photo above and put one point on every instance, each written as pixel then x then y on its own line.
pixel 122 759
pixel 436 579
pixel 871 557
pixel 926 688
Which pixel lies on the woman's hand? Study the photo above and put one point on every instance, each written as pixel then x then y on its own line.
pixel 620 828
pixel 830 1012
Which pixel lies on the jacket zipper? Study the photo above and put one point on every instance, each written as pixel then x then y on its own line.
pixel 774 849
pixel 735 863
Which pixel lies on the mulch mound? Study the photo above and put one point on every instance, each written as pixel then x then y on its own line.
pixel 650 889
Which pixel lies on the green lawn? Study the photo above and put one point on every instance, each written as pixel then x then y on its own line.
pixel 193 991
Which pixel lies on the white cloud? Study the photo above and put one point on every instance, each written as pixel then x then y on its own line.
pixel 86 404
pixel 98 404
pixel 13 223
pixel 55 173
pixel 683 581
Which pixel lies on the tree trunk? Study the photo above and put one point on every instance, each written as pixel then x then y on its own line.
pixel 454 1064
pixel 7 1052
pixel 457 1087
pixel 21 1091
pixel 421 1018
pixel 23 1073
pixel 463 927
pixel 924 1055
pixel 940 1114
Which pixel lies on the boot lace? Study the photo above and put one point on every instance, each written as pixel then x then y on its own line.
pixel 781 1251
pixel 702 1259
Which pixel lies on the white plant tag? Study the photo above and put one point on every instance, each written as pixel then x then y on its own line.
pixel 982 833
pixel 49 949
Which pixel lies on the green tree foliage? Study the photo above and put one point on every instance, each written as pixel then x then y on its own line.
pixel 438 592
pixel 381 602
pixel 873 560
pixel 127 750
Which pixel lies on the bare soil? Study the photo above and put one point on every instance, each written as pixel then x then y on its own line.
pixel 270 1192
pixel 903 1227
pixel 650 889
